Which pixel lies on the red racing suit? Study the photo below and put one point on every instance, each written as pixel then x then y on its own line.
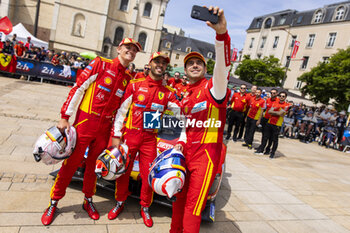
pixel 269 103
pixel 142 95
pixel 97 92
pixel 203 140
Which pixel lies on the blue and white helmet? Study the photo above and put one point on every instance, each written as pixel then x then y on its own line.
pixel 167 173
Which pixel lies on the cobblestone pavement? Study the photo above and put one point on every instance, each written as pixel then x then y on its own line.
pixel 305 189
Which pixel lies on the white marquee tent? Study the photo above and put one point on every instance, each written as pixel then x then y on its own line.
pixel 22 35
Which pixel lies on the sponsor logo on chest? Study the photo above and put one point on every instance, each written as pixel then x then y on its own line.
pixel 199 107
pixel 158 107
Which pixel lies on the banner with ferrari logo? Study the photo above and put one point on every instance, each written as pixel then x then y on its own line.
pixel 8 63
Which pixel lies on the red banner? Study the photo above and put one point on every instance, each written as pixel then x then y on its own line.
pixel 5 25
pixel 234 54
pixel 295 49
pixel 8 63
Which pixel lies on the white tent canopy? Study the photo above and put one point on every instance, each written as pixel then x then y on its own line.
pixel 22 35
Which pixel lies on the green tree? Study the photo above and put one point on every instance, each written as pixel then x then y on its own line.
pixel 169 68
pixel 261 72
pixel 210 66
pixel 330 81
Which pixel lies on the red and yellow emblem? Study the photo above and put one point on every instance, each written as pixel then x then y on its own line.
pixel 199 93
pixel 125 82
pixel 108 81
pixel 160 95
pixel 141 97
pixel 186 110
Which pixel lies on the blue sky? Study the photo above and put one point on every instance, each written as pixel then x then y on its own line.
pixel 239 14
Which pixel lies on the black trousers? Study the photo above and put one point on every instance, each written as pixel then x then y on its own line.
pixel 235 118
pixel 263 124
pixel 242 126
pixel 250 127
pixel 271 133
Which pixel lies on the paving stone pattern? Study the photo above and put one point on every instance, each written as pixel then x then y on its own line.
pixel 305 189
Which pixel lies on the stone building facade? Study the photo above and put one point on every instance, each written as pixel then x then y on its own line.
pixel 321 32
pixel 89 25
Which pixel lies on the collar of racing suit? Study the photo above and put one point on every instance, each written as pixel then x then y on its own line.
pixel 152 82
pixel 196 85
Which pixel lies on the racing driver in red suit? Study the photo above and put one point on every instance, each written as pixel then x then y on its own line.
pixel 142 96
pixel 97 93
pixel 206 101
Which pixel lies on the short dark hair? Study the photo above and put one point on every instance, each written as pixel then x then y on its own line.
pixel 167 73
pixel 284 92
pixel 258 89
pixel 274 89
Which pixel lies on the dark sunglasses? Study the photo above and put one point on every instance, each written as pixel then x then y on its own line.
pixel 146 68
pixel 243 88
pixel 282 96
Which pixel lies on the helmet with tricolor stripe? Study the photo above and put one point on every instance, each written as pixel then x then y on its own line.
pixel 167 173
pixel 112 162
pixel 54 146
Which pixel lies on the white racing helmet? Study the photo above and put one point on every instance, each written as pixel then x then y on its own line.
pixel 112 162
pixel 53 146
pixel 167 173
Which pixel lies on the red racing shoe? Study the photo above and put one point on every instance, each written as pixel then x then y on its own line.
pixel 89 207
pixel 147 220
pixel 48 215
pixel 113 213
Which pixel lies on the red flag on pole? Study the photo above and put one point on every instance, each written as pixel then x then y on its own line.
pixel 295 49
pixel 234 54
pixel 5 25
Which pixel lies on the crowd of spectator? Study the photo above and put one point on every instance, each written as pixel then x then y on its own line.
pixel 323 124
pixel 29 51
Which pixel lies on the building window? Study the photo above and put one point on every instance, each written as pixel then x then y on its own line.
pixel 318 16
pixel 268 23
pixel 259 55
pixel 305 61
pixel 118 35
pixel 340 13
pixel 175 65
pixel 263 41
pixel 325 59
pixel 142 40
pixel 124 5
pixel 300 18
pixel 210 55
pixel 166 53
pixel 287 61
pixel 105 49
pixel 258 23
pixel 177 57
pixel 298 84
pixel 168 45
pixel 283 19
pixel 147 10
pixel 310 43
pixel 188 49
pixel 294 38
pixel 331 39
pixel 251 43
pixel 275 42
pixel 79 25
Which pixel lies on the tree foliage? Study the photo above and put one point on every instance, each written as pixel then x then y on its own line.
pixel 330 81
pixel 169 68
pixel 261 72
pixel 210 66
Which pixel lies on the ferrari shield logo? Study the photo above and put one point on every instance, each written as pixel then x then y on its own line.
pixel 125 82
pixel 160 95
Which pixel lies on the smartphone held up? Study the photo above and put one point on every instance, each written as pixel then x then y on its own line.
pixel 203 13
